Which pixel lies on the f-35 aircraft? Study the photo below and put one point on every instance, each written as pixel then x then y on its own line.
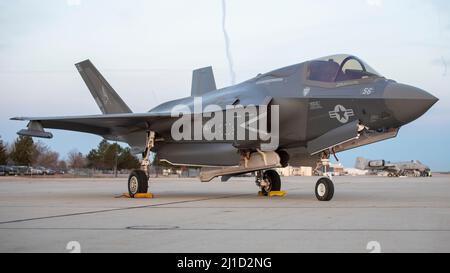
pixel 321 107
pixel 394 169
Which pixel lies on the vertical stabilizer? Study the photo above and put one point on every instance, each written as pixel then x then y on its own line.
pixel 105 96
pixel 202 81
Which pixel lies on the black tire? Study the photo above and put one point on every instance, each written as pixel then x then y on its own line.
pixel 326 191
pixel 140 178
pixel 274 179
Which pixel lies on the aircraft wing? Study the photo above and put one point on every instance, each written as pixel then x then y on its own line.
pixel 103 125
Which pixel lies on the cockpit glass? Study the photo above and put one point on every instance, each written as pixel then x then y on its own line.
pixel 339 68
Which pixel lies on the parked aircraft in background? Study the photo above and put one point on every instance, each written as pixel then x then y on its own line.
pixel 406 168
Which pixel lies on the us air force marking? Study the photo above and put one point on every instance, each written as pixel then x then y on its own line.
pixel 341 113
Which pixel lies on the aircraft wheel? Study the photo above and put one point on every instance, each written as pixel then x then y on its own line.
pixel 137 182
pixel 324 189
pixel 271 182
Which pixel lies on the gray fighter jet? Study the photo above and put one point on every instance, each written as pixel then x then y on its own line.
pixel 316 108
pixel 394 169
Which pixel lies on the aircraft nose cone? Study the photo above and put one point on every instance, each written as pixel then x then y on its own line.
pixel 407 103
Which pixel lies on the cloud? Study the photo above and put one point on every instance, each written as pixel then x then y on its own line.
pixel 374 3
pixel 72 3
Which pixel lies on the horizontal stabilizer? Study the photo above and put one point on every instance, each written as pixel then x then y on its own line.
pixel 129 128
pixel 202 81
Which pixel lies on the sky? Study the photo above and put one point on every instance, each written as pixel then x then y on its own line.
pixel 148 49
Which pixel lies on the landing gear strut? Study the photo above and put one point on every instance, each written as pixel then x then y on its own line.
pixel 138 179
pixel 324 187
pixel 269 181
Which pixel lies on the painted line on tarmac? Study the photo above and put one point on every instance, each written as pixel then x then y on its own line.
pixel 175 228
pixel 118 209
pixel 127 208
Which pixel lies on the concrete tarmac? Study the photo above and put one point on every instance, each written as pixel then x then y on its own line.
pixel 392 214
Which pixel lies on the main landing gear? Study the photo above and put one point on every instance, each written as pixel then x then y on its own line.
pixel 269 181
pixel 137 182
pixel 138 179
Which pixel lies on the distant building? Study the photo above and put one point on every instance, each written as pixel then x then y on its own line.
pixel 295 171
pixel 336 169
pixel 355 172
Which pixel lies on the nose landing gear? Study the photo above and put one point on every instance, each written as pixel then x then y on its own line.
pixel 324 187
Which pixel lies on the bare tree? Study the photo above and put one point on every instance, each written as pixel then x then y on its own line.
pixel 3 153
pixel 76 159
pixel 62 165
pixel 45 156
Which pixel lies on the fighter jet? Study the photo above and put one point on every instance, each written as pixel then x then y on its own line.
pixel 304 113
pixel 394 169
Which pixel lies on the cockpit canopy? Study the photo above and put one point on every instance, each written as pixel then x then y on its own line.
pixel 339 68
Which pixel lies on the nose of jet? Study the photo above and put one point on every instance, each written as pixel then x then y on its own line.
pixel 407 103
